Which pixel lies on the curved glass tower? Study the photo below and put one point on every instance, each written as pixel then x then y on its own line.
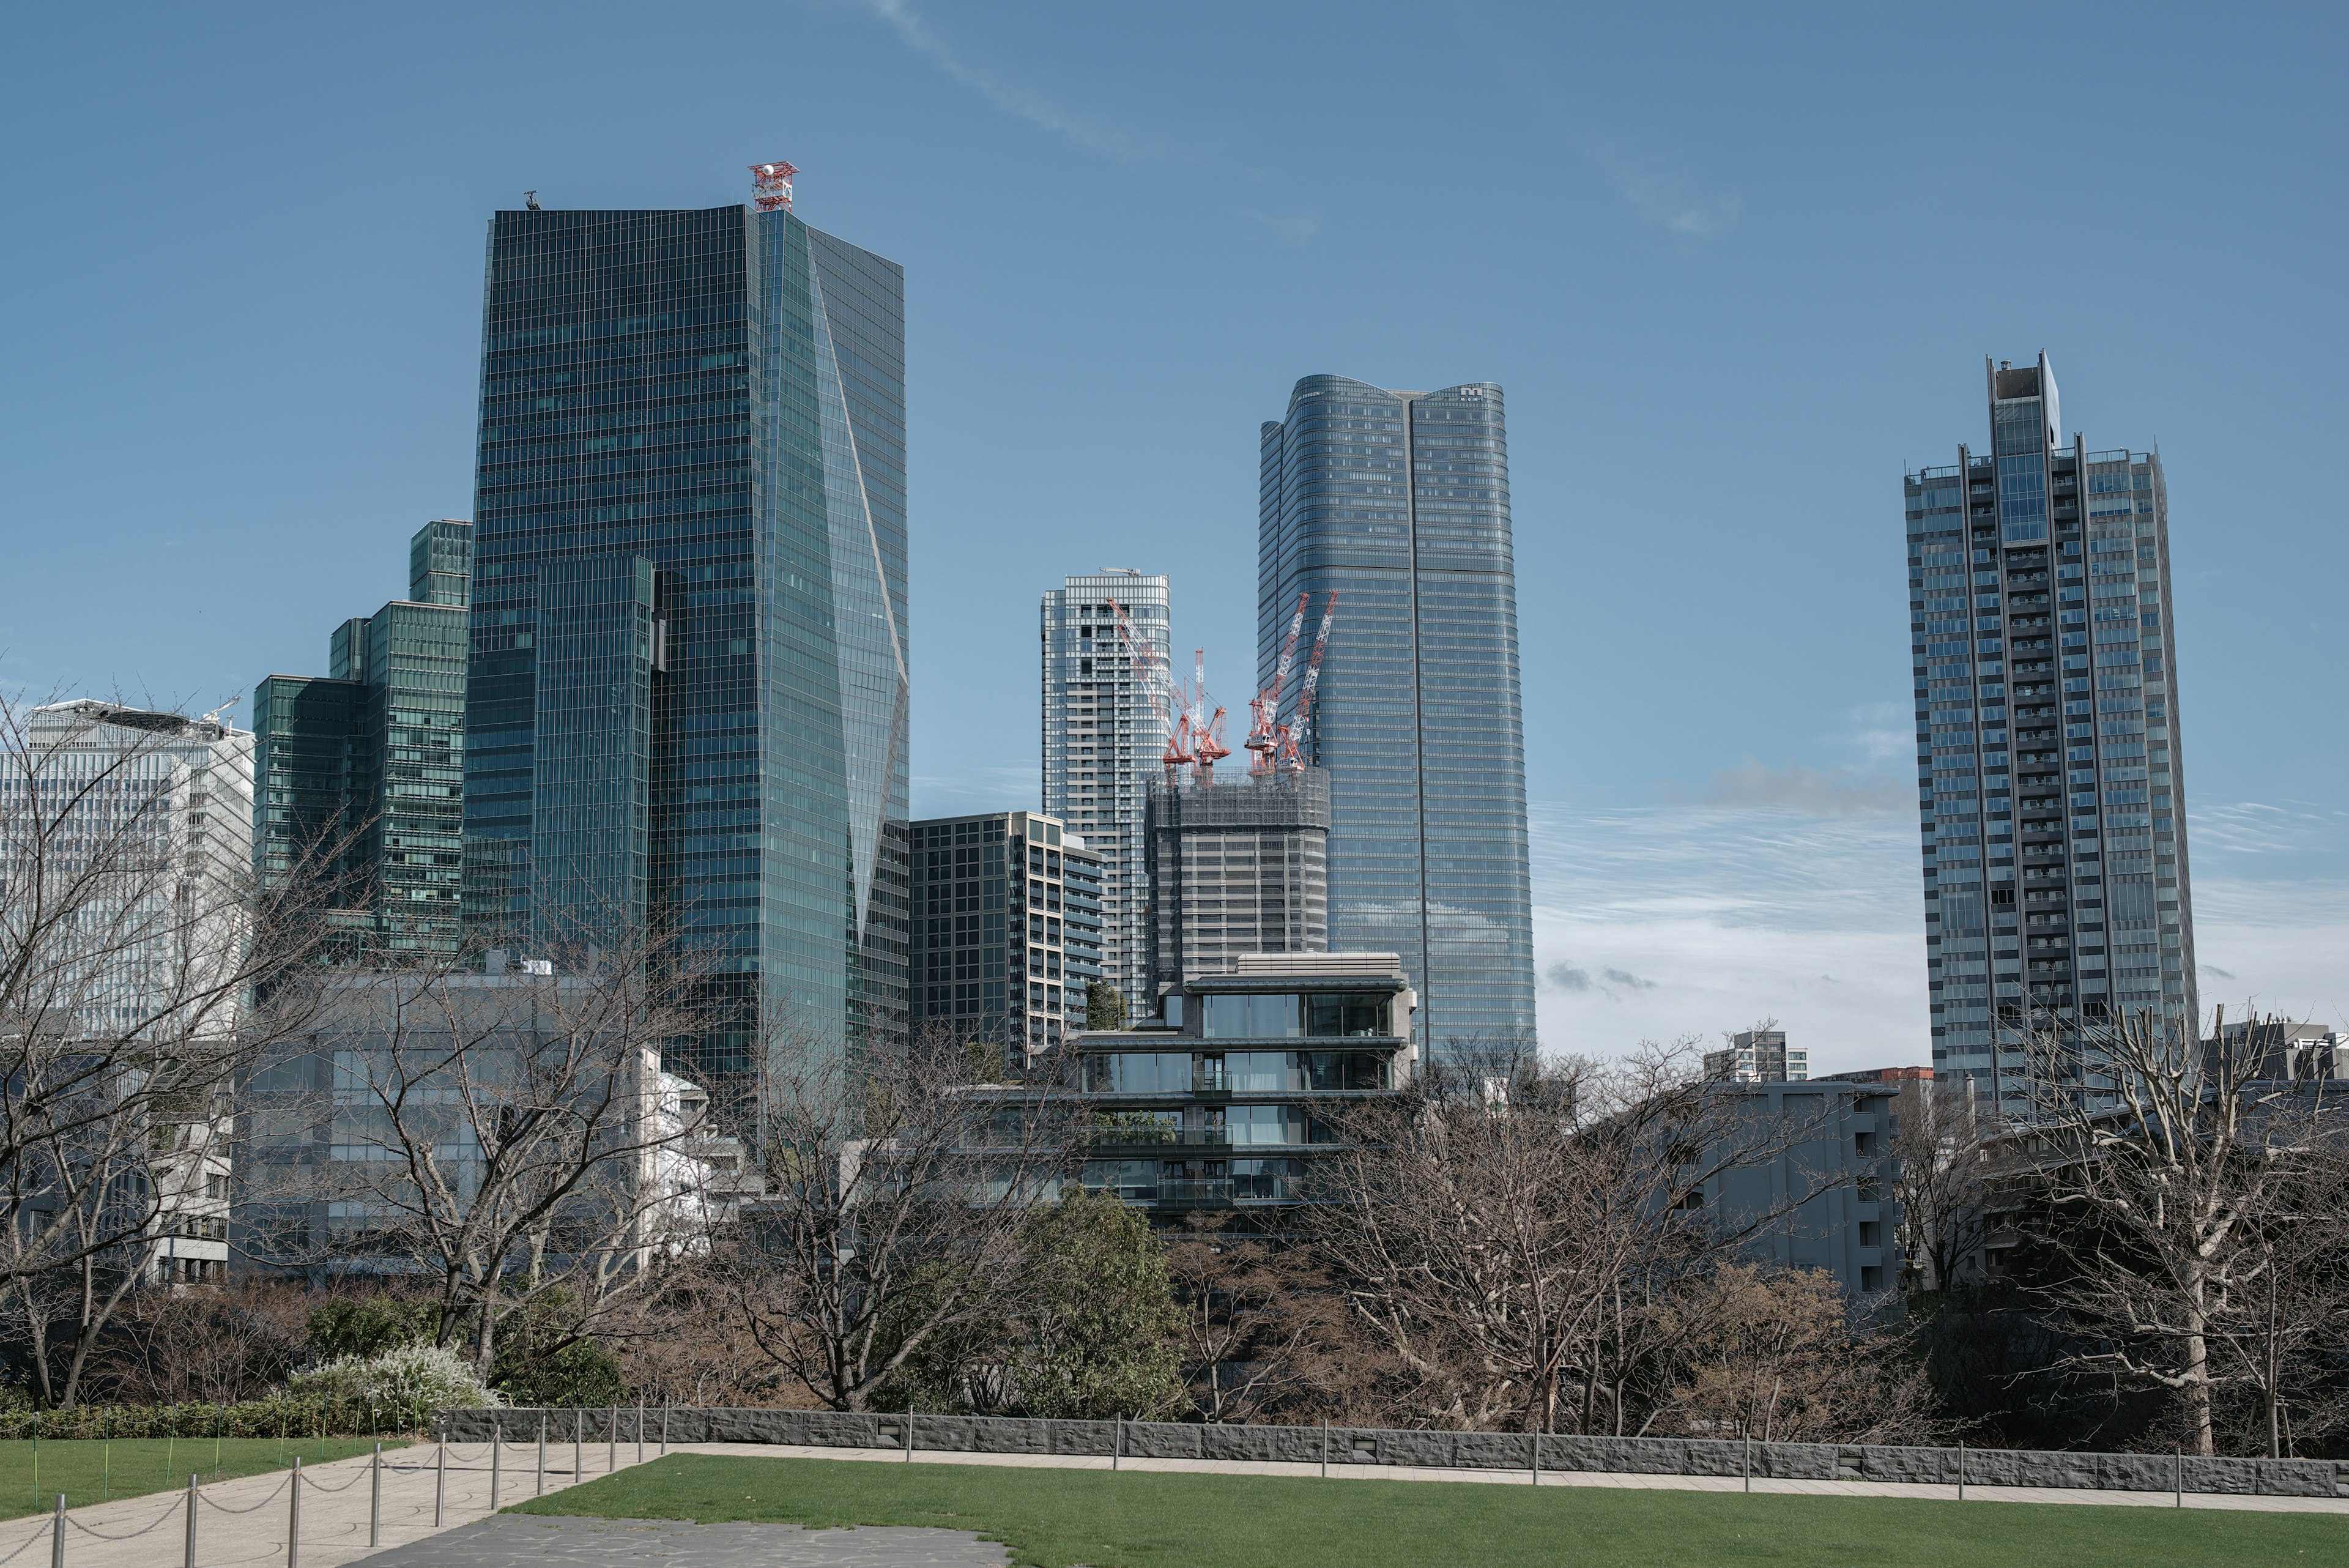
pixel 687 696
pixel 1399 503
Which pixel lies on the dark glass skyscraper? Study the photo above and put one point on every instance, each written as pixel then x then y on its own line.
pixel 2049 778
pixel 370 758
pixel 1399 501
pixel 688 685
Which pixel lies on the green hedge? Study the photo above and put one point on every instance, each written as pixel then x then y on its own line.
pixel 252 1418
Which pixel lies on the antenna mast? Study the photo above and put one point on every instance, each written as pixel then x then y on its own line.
pixel 772 183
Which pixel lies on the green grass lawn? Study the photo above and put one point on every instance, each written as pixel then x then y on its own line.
pixel 88 1471
pixel 1056 1518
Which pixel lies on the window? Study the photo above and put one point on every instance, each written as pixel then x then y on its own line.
pixel 1252 1017
pixel 1343 1014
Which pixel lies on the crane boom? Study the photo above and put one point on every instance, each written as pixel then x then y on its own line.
pixel 1301 740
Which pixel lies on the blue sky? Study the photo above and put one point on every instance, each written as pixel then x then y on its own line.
pixel 1734 265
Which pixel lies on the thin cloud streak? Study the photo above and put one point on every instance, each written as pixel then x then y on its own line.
pixel 1019 102
pixel 1664 198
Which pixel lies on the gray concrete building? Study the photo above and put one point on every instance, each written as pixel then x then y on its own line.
pixel 1237 866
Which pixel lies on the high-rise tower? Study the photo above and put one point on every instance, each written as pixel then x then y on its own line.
pixel 1102 741
pixel 2049 778
pixel 688 694
pixel 1400 503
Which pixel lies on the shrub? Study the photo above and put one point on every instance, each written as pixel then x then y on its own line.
pixel 371 1325
pixel 406 1376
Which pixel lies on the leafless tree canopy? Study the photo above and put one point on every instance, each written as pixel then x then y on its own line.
pixel 897 1194
pixel 506 1138
pixel 139 972
pixel 1531 1243
pixel 1941 1140
pixel 2196 1214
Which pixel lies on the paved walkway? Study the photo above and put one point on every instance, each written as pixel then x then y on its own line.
pixel 573 1543
pixel 244 1523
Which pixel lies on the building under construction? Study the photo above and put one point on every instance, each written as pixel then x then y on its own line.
pixel 1236 866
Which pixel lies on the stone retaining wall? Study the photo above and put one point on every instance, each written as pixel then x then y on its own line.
pixel 1433 1450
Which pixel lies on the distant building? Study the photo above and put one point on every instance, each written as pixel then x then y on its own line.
pixel 1240 866
pixel 370 758
pixel 1006 928
pixel 1886 1075
pixel 140 781
pixel 1102 743
pixel 2050 766
pixel 1397 502
pixel 1758 1056
pixel 2274 1049
pixel 1227 1098
pixel 1829 1182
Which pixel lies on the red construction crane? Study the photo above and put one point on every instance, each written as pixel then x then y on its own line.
pixel 1298 739
pixel 1265 729
pixel 1151 674
pixel 1206 738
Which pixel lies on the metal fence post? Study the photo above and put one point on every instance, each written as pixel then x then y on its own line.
pixel 375 1499
pixel 189 1558
pixel 2178 1481
pixel 664 1428
pixel 1962 1472
pixel 578 1446
pixel 1537 1438
pixel 541 1454
pixel 1749 1460
pixel 293 1516
pixel 1325 1448
pixel 497 1462
pixel 1116 1441
pixel 58 1536
pixel 640 1429
pixel 439 1481
pixel 909 1437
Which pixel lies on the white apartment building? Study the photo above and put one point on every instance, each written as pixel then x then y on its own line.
pixel 1101 742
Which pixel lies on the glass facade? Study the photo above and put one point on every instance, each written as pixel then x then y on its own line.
pixel 1399 503
pixel 372 753
pixel 2051 781
pixel 688 679
pixel 1099 729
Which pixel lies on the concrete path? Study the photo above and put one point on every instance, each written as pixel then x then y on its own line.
pixel 1554 1477
pixel 246 1521
pixel 571 1542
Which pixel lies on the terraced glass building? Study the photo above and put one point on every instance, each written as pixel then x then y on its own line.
pixel 2051 779
pixel 1399 501
pixel 688 696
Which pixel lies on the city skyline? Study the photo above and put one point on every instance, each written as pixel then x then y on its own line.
pixel 1683 266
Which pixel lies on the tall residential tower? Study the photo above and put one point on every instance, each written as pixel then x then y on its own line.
pixel 1399 503
pixel 2049 778
pixel 1102 742
pixel 687 697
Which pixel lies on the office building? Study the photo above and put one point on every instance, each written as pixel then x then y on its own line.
pixel 1005 931
pixel 141 823
pixel 1236 866
pixel 1804 1172
pixel 1758 1056
pixel 686 705
pixel 1103 740
pixel 359 774
pixel 2051 780
pixel 1398 504
pixel 1227 1098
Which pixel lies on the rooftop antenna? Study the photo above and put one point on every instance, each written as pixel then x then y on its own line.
pixel 529 200
pixel 773 185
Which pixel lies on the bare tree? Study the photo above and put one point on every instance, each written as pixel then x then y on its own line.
pixel 1266 1338
pixel 515 1138
pixel 1940 1139
pixel 893 1223
pixel 2169 1175
pixel 1506 1228
pixel 139 971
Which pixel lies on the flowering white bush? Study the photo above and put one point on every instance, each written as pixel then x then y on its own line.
pixel 410 1374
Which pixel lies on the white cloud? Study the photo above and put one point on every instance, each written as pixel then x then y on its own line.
pixel 1665 198
pixel 1807 790
pixel 1777 898
pixel 1012 98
